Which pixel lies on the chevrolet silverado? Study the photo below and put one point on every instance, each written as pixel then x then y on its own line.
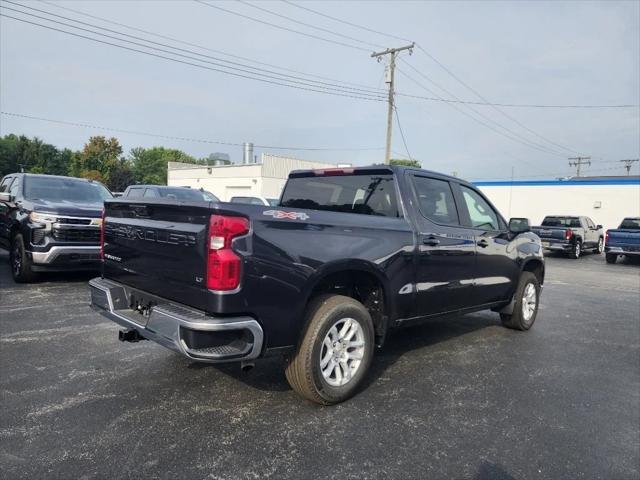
pixel 346 256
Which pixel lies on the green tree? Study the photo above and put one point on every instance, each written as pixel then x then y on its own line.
pixel 8 154
pixel 121 177
pixel 149 165
pixel 405 162
pixel 100 154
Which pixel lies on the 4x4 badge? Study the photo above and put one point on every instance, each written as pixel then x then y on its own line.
pixel 289 215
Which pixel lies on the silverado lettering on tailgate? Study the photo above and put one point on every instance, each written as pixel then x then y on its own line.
pixel 150 234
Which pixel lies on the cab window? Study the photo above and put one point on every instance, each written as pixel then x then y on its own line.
pixel 481 214
pixel 435 200
pixel 6 182
pixel 135 192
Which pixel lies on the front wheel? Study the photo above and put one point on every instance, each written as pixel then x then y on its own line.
pixel 527 300
pixel 20 261
pixel 600 247
pixel 576 251
pixel 334 353
pixel 611 257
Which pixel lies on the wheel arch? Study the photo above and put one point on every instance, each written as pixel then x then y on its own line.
pixel 360 280
pixel 535 266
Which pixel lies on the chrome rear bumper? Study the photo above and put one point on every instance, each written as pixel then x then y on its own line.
pixel 185 330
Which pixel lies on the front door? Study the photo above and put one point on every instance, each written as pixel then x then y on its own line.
pixel 497 271
pixel 445 259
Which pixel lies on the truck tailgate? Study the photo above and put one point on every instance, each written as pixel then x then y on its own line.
pixel 624 238
pixel 154 246
pixel 550 233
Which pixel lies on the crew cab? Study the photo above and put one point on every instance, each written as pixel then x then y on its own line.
pixel 50 223
pixel 346 256
pixel 570 234
pixel 624 240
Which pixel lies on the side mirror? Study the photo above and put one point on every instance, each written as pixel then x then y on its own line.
pixel 598 227
pixel 5 197
pixel 519 225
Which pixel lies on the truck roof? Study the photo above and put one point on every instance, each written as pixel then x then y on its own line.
pixel 397 169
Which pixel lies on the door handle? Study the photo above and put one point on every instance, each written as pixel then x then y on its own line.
pixel 483 243
pixel 431 241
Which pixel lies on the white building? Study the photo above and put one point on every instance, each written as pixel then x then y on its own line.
pixel 265 178
pixel 607 200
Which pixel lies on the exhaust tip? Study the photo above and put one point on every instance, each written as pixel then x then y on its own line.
pixel 247 366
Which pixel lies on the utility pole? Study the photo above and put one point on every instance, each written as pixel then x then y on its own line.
pixel 628 163
pixel 389 79
pixel 578 162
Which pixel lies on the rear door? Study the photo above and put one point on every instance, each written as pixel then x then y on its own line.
pixel 497 272
pixel 445 258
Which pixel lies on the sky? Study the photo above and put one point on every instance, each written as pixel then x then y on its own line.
pixel 509 52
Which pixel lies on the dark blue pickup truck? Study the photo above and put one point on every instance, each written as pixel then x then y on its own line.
pixel 347 255
pixel 624 240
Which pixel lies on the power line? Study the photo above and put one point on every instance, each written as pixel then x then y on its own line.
pixel 524 139
pixel 484 101
pixel 395 109
pixel 185 139
pixel 291 30
pixel 270 74
pixel 290 84
pixel 495 107
pixel 315 27
pixel 371 30
pixel 220 52
pixel 474 118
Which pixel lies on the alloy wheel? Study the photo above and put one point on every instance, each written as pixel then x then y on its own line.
pixel 529 302
pixel 342 352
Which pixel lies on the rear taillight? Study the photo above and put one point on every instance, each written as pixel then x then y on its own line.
pixel 606 237
pixel 223 265
pixel 102 236
pixel 568 233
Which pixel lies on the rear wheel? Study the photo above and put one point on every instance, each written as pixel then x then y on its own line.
pixel 576 251
pixel 527 300
pixel 611 257
pixel 335 351
pixel 20 261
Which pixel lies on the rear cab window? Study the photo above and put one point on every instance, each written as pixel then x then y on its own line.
pixel 364 192
pixel 630 224
pixel 565 222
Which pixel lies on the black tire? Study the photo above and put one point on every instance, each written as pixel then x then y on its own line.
pixel 600 247
pixel 517 320
pixel 611 257
pixel 20 262
pixel 303 370
pixel 576 251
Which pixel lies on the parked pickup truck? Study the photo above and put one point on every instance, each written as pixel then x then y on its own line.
pixel 321 278
pixel 624 240
pixel 570 234
pixel 50 223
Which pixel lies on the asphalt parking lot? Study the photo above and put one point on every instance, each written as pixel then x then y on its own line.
pixel 462 398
